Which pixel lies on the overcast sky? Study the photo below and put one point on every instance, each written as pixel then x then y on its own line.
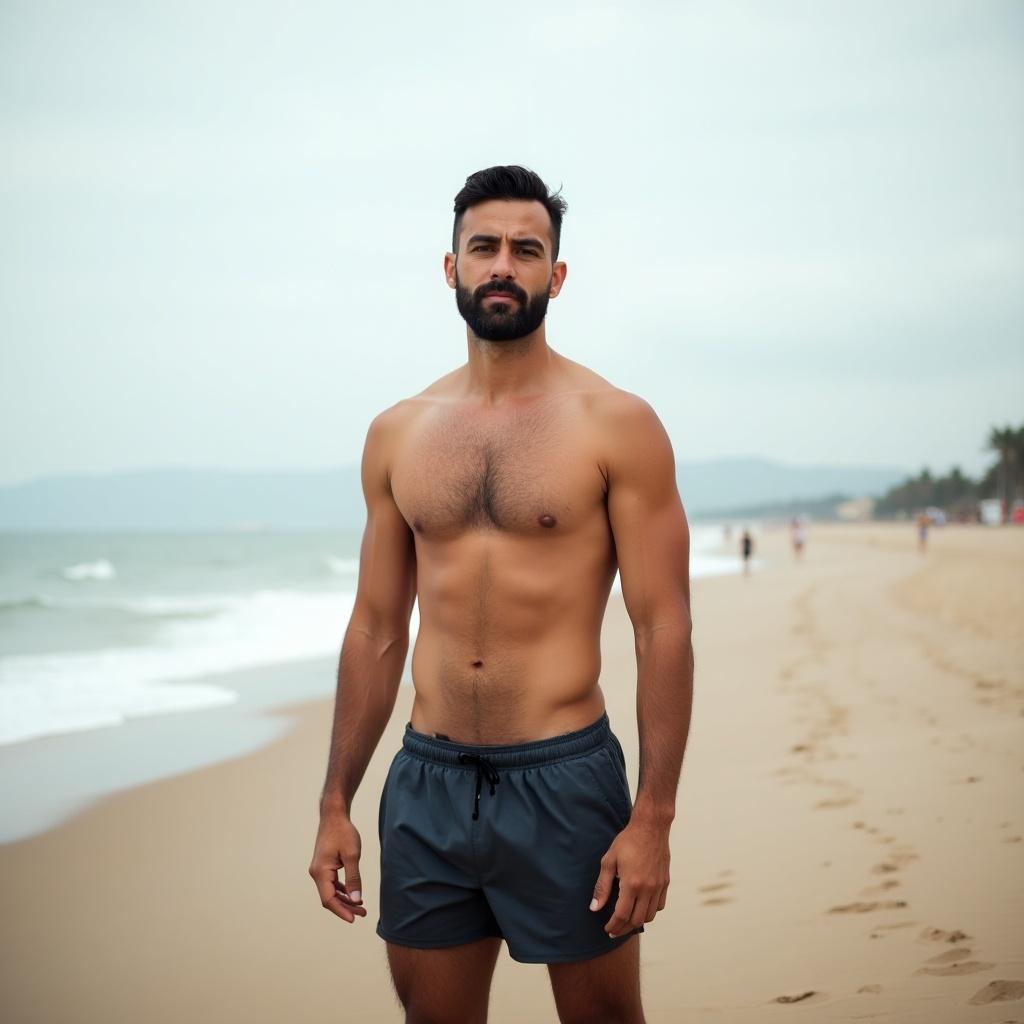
pixel 797 229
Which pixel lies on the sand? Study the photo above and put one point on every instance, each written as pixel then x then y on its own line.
pixel 849 842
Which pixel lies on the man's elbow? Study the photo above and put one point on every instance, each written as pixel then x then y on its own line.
pixel 383 635
pixel 674 627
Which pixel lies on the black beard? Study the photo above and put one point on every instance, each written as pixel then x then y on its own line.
pixel 502 322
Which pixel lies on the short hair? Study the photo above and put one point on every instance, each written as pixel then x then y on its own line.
pixel 509 182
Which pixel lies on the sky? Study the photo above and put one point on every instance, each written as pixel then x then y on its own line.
pixel 796 229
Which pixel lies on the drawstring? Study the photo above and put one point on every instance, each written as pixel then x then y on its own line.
pixel 488 769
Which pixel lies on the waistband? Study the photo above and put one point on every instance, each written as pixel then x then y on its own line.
pixel 509 755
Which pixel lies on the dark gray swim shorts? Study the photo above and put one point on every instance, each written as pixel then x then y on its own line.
pixel 502 840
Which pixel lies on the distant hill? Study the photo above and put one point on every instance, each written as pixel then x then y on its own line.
pixel 186 499
pixel 211 499
pixel 736 486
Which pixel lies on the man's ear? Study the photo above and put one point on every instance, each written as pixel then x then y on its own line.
pixel 558 272
pixel 449 268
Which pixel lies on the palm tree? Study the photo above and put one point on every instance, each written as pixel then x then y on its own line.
pixel 1004 442
pixel 1018 454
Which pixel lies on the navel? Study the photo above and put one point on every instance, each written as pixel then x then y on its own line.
pixel 478 664
pixel 547 520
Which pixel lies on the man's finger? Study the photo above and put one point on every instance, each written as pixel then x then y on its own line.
pixel 657 902
pixel 642 911
pixel 603 888
pixel 325 885
pixel 353 886
pixel 619 921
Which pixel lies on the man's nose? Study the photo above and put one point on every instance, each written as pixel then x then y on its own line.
pixel 503 265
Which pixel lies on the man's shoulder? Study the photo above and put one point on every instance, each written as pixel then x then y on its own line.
pixel 628 429
pixel 604 399
pixel 402 412
pixel 619 409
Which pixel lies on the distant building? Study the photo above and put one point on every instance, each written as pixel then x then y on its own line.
pixel 856 510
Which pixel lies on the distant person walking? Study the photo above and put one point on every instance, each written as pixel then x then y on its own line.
pixel 798 534
pixel 923 522
pixel 747 549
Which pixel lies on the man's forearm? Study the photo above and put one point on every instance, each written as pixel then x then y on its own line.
pixel 369 674
pixel 664 699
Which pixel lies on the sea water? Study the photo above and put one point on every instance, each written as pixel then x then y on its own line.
pixel 103 636
pixel 97 628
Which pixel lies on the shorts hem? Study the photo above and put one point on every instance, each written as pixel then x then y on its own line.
pixel 434 943
pixel 563 958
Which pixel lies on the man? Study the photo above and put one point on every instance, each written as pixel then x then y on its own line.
pixel 747 550
pixel 798 535
pixel 503 497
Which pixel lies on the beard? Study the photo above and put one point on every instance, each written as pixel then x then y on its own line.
pixel 501 322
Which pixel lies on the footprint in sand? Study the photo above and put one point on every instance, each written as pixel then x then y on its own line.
pixel 800 997
pixel 896 860
pixel 941 935
pixel 882 888
pixel 952 970
pixel 837 801
pixel 716 887
pixel 988 684
pixel 951 956
pixel 870 989
pixel 998 992
pixel 866 907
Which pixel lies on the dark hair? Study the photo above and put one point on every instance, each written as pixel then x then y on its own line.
pixel 511 182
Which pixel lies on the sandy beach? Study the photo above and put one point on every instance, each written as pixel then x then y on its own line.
pixel 848 845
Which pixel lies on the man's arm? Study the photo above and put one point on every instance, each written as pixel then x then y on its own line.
pixel 652 547
pixel 377 638
pixel 652 544
pixel 369 669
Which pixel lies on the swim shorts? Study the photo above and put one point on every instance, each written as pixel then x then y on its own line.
pixel 502 840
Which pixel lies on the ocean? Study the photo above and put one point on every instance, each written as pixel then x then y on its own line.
pixel 103 630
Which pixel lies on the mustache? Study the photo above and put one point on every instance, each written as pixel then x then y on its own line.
pixel 500 288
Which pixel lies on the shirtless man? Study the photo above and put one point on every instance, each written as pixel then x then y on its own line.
pixel 504 497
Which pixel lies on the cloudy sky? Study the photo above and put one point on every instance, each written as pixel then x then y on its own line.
pixel 797 229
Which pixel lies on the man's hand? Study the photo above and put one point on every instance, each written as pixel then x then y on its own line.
pixel 338 845
pixel 639 856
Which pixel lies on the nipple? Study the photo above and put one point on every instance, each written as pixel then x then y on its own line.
pixel 547 520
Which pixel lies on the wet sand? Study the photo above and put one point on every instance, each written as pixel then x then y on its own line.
pixel 849 841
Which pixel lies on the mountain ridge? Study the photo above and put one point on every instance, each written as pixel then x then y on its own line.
pixel 188 498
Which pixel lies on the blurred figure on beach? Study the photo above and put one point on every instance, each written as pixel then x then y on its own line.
pixel 923 522
pixel 798 535
pixel 747 550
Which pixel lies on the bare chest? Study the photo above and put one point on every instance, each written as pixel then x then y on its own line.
pixel 531 472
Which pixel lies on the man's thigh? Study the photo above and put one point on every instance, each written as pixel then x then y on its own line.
pixel 438 986
pixel 604 989
pixel 540 848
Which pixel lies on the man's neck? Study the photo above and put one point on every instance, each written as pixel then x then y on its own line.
pixel 502 370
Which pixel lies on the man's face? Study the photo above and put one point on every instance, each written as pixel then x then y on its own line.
pixel 503 275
